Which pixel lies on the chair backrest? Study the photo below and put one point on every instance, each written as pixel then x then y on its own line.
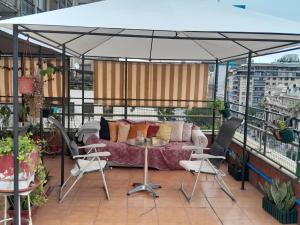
pixel 227 131
pixel 224 138
pixel 70 143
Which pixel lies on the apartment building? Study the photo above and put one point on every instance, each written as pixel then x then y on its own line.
pixel 264 77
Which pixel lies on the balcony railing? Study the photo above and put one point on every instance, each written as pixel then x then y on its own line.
pixel 259 140
pixel 9 3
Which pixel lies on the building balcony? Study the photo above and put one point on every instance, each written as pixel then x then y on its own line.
pixel 8 8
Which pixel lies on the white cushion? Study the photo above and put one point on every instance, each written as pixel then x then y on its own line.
pixel 199 139
pixel 91 166
pixel 194 166
pixel 177 128
pixel 187 131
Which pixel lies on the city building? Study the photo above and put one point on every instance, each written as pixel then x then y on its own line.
pixel 265 76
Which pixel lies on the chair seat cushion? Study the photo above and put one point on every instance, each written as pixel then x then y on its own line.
pixel 194 166
pixel 91 166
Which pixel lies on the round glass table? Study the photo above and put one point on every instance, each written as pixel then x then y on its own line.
pixel 147 144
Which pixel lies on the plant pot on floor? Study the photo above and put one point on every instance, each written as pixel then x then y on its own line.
pixel 236 172
pixel 24 214
pixel 283 217
pixel 26 171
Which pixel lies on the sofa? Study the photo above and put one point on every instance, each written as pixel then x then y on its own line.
pixel 161 158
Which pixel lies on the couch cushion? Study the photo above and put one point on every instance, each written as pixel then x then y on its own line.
pixel 164 131
pixel 134 128
pixel 152 130
pixel 104 129
pixel 187 132
pixel 113 131
pixel 123 132
pixel 177 128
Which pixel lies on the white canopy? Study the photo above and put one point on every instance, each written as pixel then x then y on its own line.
pixel 160 29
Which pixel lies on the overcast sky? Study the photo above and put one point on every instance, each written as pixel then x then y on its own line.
pixel 288 9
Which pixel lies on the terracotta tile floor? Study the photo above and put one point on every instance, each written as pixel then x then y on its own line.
pixel 87 205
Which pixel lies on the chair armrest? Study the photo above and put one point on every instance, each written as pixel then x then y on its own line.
pixel 91 155
pixel 99 145
pixel 206 156
pixel 192 147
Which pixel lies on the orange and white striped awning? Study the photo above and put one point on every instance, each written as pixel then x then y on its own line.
pixel 151 84
pixel 52 87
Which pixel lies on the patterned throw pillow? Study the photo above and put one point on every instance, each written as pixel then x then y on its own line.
pixel 187 132
pixel 152 130
pixel 104 129
pixel 177 128
pixel 134 128
pixel 113 131
pixel 123 132
pixel 164 131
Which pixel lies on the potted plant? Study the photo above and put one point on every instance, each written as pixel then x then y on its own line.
pixel 5 113
pixel 235 166
pixel 222 107
pixel 28 157
pixel 279 201
pixel 283 133
pixel 38 197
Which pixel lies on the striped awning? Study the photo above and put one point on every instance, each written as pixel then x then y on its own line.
pixel 150 84
pixel 52 87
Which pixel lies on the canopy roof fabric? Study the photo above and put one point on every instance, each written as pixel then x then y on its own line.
pixel 201 30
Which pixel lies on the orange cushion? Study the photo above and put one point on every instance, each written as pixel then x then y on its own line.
pixel 113 131
pixel 134 128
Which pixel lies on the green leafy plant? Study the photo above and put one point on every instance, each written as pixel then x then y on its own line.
pixel 280 193
pixel 218 105
pixel 236 159
pixel 26 146
pixel 281 124
pixel 5 113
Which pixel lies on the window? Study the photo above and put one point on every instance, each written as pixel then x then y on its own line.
pixel 108 110
pixel 88 108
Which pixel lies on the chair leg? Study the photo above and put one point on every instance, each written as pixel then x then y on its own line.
pixel 187 196
pixel 224 187
pixel 5 210
pixel 29 209
pixel 63 196
pixel 104 183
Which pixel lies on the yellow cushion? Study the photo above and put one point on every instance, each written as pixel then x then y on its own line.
pixel 113 131
pixel 123 132
pixel 134 128
pixel 164 132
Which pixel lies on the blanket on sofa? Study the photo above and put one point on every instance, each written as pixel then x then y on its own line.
pixel 162 158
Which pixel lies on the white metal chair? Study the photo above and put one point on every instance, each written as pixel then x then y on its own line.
pixel 90 162
pixel 201 163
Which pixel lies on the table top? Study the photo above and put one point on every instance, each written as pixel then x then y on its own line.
pixel 149 143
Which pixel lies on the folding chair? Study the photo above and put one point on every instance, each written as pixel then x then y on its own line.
pixel 210 163
pixel 90 162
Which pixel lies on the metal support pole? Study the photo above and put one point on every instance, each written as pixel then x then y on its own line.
pixel 17 216
pixel 82 90
pixel 126 89
pixel 246 119
pixel 215 97
pixel 266 132
pixel 40 66
pixel 63 58
pixel 226 82
pixel 69 100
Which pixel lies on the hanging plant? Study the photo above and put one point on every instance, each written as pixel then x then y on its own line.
pixel 222 107
pixel 50 71
pixel 282 132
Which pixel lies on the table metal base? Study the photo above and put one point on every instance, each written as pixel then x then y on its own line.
pixel 145 187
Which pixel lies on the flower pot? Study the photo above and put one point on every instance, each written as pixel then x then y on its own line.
pixel 236 172
pixel 226 113
pixel 26 171
pixel 53 149
pixel 283 217
pixel 287 135
pixel 24 215
pixel 25 85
